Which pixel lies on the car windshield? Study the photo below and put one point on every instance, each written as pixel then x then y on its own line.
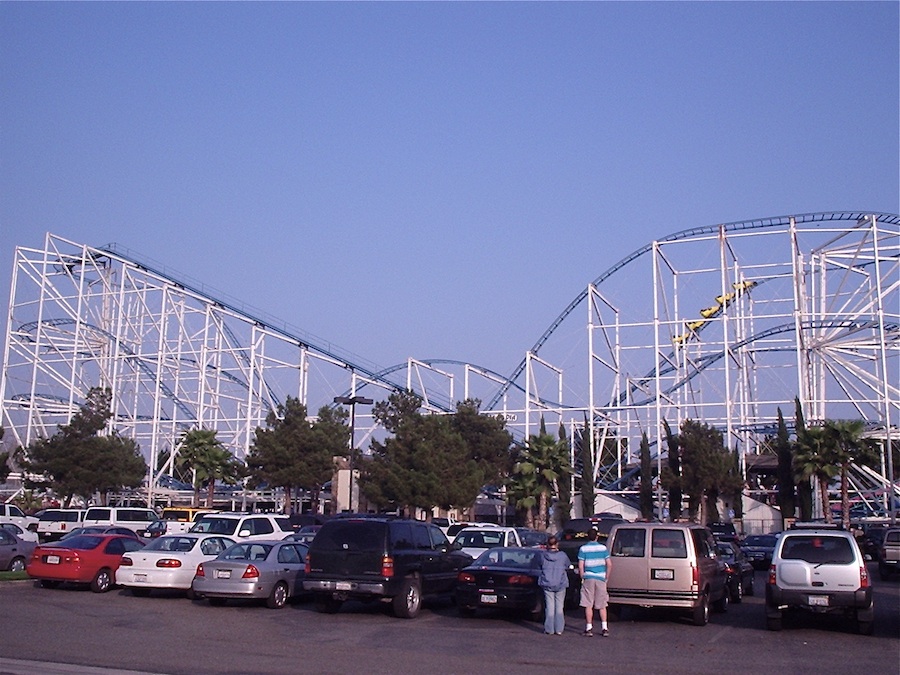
pixel 84 542
pixel 177 544
pixel 248 551
pixel 510 557
pixel 726 552
pixel 215 525
pixel 533 537
pixel 760 540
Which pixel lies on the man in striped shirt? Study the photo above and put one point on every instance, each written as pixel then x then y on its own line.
pixel 593 565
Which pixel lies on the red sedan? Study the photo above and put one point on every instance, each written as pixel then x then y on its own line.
pixel 85 559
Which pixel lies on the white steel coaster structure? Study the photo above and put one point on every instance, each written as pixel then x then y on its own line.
pixel 174 356
pixel 723 324
pixel 726 324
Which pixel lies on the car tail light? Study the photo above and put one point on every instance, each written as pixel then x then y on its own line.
pixel 125 561
pixel 521 580
pixel 168 562
pixel 863 577
pixel 200 572
pixel 307 569
pixel 695 575
pixel 465 578
pixel 387 566
pixel 772 576
pixel 250 573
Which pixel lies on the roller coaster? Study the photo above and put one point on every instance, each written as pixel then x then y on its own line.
pixel 724 324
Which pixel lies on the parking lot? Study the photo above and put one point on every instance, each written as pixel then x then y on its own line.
pixel 167 633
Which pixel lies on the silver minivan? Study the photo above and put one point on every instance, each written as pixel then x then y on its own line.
pixel 666 565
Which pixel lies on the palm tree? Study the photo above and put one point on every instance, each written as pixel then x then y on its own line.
pixel 209 461
pixel 543 463
pixel 848 446
pixel 815 458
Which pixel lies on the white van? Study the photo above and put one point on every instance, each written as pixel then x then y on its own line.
pixel 133 518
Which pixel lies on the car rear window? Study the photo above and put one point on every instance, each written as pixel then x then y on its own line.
pixel 250 551
pixel 60 516
pixel 176 514
pixel 350 535
pixel 667 544
pixel 818 549
pixel 180 544
pixel 760 540
pixel 629 543
pixel 83 542
pixel 892 537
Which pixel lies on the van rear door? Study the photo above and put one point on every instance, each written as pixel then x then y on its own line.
pixel 628 572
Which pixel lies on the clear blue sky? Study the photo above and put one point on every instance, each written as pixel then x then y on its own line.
pixel 436 179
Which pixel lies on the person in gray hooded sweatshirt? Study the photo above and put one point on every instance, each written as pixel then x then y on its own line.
pixel 554 580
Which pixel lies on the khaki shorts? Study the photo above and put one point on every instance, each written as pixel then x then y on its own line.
pixel 593 594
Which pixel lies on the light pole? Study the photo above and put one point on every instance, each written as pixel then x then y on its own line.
pixel 352 401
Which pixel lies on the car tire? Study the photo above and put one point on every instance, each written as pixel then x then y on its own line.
pixel 17 565
pixel 278 597
pixel 103 581
pixel 327 604
pixel 49 583
pixel 466 612
pixel 140 592
pixel 191 595
pixel 721 605
pixel 408 601
pixel 773 620
pixel 865 621
pixel 750 587
pixel 537 612
pixel 700 615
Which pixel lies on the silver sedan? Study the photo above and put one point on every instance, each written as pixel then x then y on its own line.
pixel 270 570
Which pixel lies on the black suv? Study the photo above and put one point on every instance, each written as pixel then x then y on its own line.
pixel 390 560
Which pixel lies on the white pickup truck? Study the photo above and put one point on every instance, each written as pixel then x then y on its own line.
pixel 10 513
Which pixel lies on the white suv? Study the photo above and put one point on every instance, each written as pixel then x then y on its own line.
pixel 819 569
pixel 477 539
pixel 10 513
pixel 244 526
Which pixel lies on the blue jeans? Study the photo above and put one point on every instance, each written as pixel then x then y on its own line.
pixel 554 618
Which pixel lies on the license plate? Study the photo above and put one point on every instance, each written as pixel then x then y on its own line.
pixel 818 601
pixel 53 560
pixel 140 578
pixel 664 575
pixel 223 574
pixel 489 599
pixel 343 586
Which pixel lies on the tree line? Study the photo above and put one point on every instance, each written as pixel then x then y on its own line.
pixel 445 460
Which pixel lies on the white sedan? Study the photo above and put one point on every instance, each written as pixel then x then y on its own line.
pixel 169 562
pixel 21 533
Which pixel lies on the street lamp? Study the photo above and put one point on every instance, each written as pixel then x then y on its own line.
pixel 352 401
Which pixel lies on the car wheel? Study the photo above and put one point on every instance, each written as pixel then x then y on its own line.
pixel 865 621
pixel 140 592
pixel 537 612
pixel 750 589
pixel 467 612
pixel 17 565
pixel 102 582
pixel 701 611
pixel 408 601
pixel 49 583
pixel 191 595
pixel 773 619
pixel 278 597
pixel 327 605
pixel 721 605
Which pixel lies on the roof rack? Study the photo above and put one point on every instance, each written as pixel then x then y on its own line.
pixel 815 525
